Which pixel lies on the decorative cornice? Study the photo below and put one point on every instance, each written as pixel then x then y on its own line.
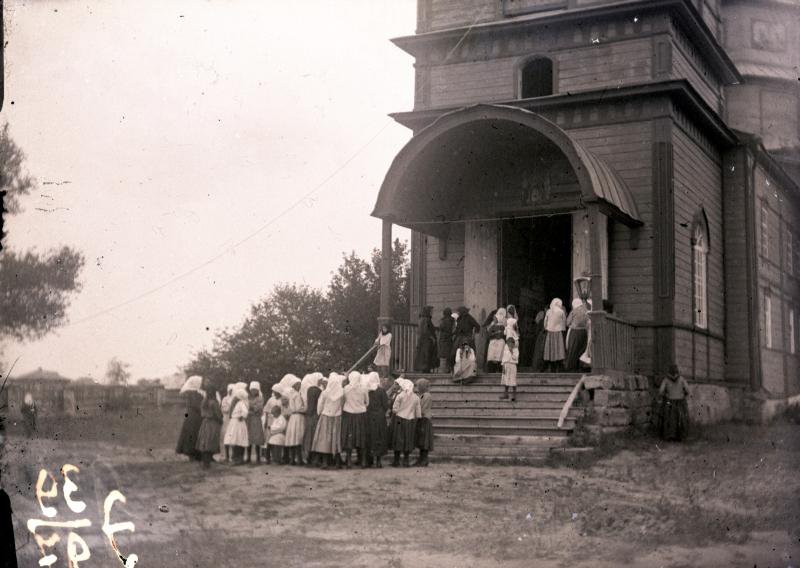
pixel 694 26
pixel 678 90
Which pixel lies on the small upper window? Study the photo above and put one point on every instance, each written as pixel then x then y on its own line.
pixel 536 78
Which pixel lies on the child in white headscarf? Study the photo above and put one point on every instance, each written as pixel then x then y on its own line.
pixel 225 407
pixel 296 423
pixel 236 435
pixel 277 435
pixel 466 366
pixel 510 362
pixel 328 436
pixel 310 392
pixel 255 430
pixel 354 420
pixel 555 323
pixel 267 418
pixel 406 411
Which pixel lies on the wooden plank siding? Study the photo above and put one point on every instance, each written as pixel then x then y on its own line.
pixel 611 64
pixel 445 277
pixel 687 66
pixel 443 14
pixel 698 185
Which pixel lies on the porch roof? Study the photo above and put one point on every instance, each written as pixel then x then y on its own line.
pixel 472 145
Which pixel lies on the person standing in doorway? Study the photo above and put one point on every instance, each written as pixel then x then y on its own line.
pixel 555 323
pixel 465 329
pixel 538 349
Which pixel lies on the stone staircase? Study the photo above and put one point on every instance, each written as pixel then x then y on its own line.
pixel 471 423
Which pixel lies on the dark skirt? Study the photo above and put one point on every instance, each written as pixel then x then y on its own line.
pixel 554 346
pixel 538 352
pixel 255 430
pixel 377 433
pixel 354 431
pixel 674 419
pixel 575 348
pixel 308 435
pixel 187 440
pixel 208 436
pixel 425 357
pixel 404 434
pixel 425 434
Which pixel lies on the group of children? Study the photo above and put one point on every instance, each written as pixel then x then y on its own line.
pixel 315 421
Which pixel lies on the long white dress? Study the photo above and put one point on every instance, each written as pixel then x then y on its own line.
pixel 236 434
pixel 296 426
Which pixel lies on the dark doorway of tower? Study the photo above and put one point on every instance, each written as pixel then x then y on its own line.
pixel 535 267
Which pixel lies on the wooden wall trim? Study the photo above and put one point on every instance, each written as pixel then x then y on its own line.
pixel 663 243
pixel 753 303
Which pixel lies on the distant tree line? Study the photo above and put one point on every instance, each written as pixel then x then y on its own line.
pixel 299 329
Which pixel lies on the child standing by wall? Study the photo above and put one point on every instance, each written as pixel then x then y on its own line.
pixel 277 435
pixel 424 424
pixel 510 362
pixel 354 420
pixel 675 410
pixel 208 436
pixel 328 437
pixel 383 358
pixel 406 411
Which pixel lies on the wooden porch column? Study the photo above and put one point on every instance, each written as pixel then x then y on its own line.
pixel 597 314
pixel 385 316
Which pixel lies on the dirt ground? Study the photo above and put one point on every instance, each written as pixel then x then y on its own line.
pixel 729 497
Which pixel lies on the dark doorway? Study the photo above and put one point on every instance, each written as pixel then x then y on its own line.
pixel 535 267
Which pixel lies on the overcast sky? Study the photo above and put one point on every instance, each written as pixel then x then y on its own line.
pixel 163 133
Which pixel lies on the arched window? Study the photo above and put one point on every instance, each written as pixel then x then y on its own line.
pixel 700 269
pixel 536 78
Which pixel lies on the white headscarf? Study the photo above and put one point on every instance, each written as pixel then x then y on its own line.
pixel 193 383
pixel 373 381
pixel 334 390
pixel 500 316
pixel 355 379
pixel 406 386
pixel 255 385
pixel 310 380
pixel 278 389
pixel 240 392
pixel 230 388
pixel 288 381
pixel 576 303
pixel 556 304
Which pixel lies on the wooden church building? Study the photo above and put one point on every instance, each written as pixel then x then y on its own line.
pixel 653 146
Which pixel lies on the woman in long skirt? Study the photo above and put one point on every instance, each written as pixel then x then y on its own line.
pixel 577 335
pixel 555 323
pixel 354 420
pixel 406 411
pixel 445 344
pixel 225 408
pixel 236 434
pixel 255 429
pixel 377 432
pixel 187 440
pixel 328 436
pixel 425 357
pixel 497 341
pixel 296 422
pixel 383 357
pixel 310 391
pixel 538 349
pixel 425 422
pixel 208 438
pixel 675 410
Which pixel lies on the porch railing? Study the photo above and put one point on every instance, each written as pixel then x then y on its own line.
pixel 404 339
pixel 612 343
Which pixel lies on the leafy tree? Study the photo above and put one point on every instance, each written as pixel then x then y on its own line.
pixel 117 373
pixel 35 288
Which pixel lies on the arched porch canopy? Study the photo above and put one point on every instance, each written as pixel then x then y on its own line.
pixel 493 162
